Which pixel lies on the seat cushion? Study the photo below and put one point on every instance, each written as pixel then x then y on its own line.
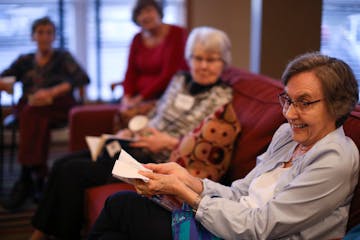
pixel 95 198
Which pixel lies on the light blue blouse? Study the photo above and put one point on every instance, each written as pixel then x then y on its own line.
pixel 311 201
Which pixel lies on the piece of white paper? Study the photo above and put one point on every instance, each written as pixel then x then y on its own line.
pixel 113 148
pixel 93 143
pixel 96 144
pixel 127 167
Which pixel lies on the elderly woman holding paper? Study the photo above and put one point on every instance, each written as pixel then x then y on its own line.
pixel 189 98
pixel 300 189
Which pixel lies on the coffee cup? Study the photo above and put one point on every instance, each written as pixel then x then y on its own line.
pixel 8 82
pixel 138 123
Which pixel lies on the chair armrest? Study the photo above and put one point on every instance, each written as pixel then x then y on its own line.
pixel 115 84
pixel 89 120
pixel 95 198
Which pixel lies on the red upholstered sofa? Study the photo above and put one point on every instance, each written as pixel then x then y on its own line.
pixel 257 107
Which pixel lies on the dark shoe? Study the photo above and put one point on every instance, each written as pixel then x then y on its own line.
pixel 10 121
pixel 18 195
pixel 38 190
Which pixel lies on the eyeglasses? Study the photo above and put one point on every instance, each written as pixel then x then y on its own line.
pixel 198 59
pixel 301 105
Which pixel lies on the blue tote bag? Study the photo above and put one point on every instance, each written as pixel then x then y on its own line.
pixel 185 227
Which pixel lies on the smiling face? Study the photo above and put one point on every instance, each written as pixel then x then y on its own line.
pixel 44 36
pixel 205 67
pixel 312 124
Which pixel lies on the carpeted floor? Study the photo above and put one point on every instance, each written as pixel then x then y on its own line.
pixel 16 225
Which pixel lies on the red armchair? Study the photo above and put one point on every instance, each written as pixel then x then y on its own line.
pixel 256 104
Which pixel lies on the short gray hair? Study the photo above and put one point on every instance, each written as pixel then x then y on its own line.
pixel 339 85
pixel 212 39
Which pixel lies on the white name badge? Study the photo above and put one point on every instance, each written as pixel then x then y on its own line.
pixel 184 102
pixel 113 148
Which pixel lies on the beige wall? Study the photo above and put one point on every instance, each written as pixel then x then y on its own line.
pixel 289 28
pixel 231 16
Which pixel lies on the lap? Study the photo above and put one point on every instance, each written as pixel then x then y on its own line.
pixel 133 215
pixel 79 168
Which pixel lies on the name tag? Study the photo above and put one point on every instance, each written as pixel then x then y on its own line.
pixel 184 102
pixel 113 148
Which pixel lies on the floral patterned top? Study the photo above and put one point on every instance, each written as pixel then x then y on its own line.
pixel 61 68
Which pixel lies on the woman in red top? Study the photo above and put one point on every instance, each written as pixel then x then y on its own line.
pixel 156 53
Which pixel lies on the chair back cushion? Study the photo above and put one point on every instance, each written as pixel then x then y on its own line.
pixel 352 129
pixel 258 110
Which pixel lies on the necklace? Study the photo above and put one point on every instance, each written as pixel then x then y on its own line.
pixel 300 150
pixel 303 149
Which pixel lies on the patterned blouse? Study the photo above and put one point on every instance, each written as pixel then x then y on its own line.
pixel 61 68
pixel 178 119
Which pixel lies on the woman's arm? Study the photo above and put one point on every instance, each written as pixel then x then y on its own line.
pixel 172 179
pixel 304 202
pixel 155 140
pixel 60 89
pixel 45 96
pixel 75 73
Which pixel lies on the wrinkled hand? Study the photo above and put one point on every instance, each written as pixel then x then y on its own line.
pixel 170 168
pixel 154 140
pixel 166 178
pixel 125 133
pixel 158 184
pixel 42 97
pixel 129 102
pixel 169 179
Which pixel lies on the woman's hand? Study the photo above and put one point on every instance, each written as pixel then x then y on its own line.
pixel 129 102
pixel 45 96
pixel 124 133
pixel 158 184
pixel 42 97
pixel 170 168
pixel 155 140
pixel 175 170
pixel 170 179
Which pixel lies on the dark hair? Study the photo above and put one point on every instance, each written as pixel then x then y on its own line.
pixel 337 79
pixel 42 21
pixel 141 4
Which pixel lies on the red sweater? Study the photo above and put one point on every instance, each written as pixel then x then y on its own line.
pixel 149 70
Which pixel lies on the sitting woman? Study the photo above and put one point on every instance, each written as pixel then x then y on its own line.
pixel 156 54
pixel 300 189
pixel 48 79
pixel 189 98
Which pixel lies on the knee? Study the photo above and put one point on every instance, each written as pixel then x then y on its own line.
pixel 65 167
pixel 60 163
pixel 121 199
pixel 29 112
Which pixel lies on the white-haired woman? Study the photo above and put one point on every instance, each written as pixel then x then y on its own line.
pixel 189 98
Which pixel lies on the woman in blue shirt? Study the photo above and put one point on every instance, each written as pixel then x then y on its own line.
pixel 300 189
